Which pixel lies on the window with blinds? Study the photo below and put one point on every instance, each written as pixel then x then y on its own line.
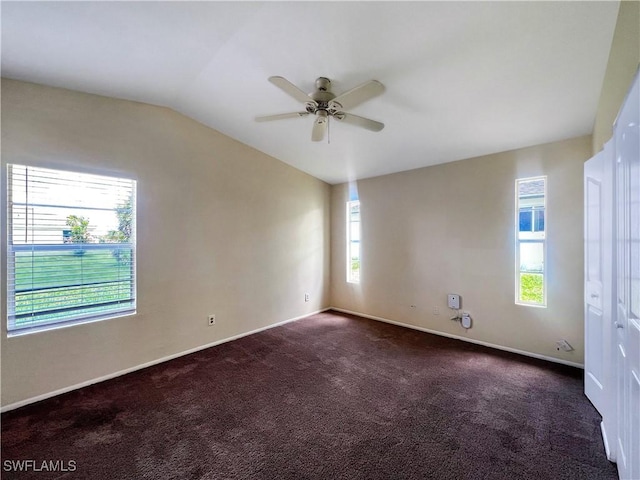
pixel 71 254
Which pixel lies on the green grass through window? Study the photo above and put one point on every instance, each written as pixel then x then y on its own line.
pixel 532 288
pixel 50 281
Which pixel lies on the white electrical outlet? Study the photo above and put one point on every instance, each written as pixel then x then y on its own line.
pixel 306 297
pixel 212 320
pixel 563 345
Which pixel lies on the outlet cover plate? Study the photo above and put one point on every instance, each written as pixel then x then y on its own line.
pixel 453 301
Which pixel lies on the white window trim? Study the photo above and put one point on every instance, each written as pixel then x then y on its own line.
pixel 349 271
pixel 518 301
pixel 11 249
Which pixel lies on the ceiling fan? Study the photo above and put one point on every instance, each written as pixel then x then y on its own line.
pixel 325 104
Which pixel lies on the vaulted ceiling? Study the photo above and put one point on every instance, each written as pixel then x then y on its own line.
pixel 462 79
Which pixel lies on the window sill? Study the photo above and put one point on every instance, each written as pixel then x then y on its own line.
pixel 57 326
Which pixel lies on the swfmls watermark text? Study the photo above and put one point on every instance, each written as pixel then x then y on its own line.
pixel 30 465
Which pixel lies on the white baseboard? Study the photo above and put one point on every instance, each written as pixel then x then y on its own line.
pixel 464 339
pixel 44 396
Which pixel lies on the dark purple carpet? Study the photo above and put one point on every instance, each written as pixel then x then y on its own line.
pixel 329 397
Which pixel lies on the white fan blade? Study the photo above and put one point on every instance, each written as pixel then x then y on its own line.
pixel 319 127
pixel 290 89
pixel 281 116
pixel 359 94
pixel 359 121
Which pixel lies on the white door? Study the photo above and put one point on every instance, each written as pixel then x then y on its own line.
pixel 593 249
pixel 599 382
pixel 627 148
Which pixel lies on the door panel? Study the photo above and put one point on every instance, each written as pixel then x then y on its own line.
pixel 632 146
pixel 627 148
pixel 621 450
pixel 631 151
pixel 593 386
pixel 595 346
pixel 597 198
pixel 593 218
pixel 634 398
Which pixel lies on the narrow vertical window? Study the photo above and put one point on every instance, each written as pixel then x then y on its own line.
pixel 531 213
pixel 353 241
pixel 71 247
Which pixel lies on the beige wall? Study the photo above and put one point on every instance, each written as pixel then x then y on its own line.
pixel 222 228
pixel 253 233
pixel 450 229
pixel 624 59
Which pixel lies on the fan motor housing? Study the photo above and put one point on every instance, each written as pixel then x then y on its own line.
pixel 323 84
pixel 323 92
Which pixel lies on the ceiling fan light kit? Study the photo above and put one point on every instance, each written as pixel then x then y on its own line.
pixel 324 104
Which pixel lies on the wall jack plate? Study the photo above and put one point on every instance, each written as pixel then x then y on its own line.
pixel 563 345
pixel 453 301
pixel 212 320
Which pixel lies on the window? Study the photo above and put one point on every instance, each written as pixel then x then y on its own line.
pixel 353 241
pixel 530 241
pixel 71 248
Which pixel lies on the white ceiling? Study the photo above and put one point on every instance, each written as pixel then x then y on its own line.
pixel 462 79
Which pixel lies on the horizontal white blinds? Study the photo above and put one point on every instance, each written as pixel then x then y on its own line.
pixel 71 247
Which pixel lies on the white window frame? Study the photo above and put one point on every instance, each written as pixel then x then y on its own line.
pixel 536 237
pixel 353 276
pixel 72 307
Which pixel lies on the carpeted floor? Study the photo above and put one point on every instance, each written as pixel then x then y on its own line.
pixel 328 397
